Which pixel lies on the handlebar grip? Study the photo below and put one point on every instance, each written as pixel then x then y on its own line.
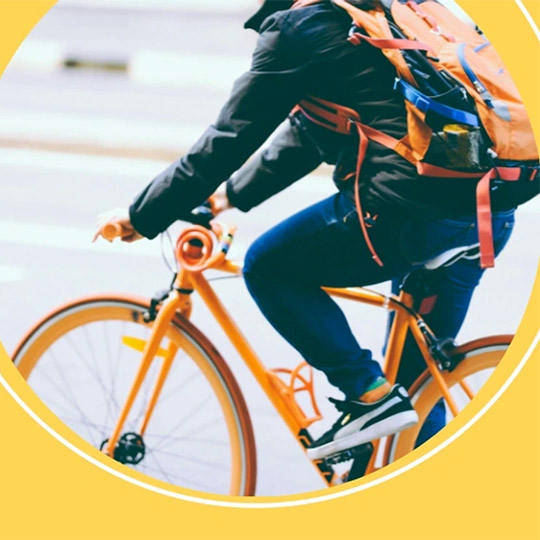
pixel 112 230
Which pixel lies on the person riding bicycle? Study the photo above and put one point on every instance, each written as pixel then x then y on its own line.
pixel 290 157
pixel 411 219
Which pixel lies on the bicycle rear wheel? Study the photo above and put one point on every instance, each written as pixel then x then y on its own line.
pixel 480 358
pixel 81 361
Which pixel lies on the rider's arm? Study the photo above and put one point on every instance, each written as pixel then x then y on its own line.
pixel 289 157
pixel 280 75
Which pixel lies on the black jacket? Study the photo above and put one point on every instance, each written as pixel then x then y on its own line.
pixel 301 52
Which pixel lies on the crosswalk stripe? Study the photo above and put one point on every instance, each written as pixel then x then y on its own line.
pixel 9 274
pixel 80 239
pixel 72 238
pixel 87 164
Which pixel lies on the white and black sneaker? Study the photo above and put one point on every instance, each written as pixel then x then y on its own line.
pixel 361 423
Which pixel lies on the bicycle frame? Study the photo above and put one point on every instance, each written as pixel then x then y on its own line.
pixel 282 395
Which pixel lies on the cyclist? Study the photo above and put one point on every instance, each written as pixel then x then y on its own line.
pixel 291 156
pixel 411 219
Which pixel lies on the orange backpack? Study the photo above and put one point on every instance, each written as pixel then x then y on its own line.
pixel 465 116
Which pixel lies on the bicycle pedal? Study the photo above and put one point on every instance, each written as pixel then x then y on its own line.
pixel 349 454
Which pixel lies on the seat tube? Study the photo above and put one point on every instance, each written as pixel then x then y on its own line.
pixel 434 369
pixel 396 340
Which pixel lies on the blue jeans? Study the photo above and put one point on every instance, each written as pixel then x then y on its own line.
pixel 323 246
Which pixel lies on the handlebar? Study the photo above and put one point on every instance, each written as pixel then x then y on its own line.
pixel 195 245
pixel 111 230
pixel 202 216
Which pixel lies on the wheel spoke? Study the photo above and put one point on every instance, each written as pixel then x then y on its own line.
pixel 189 415
pixel 84 376
pixel 478 362
pixel 73 399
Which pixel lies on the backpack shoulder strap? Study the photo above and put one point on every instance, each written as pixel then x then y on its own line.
pixel 375 24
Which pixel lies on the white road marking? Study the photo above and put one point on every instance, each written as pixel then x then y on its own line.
pixel 38 56
pixel 107 132
pixel 182 70
pixel 9 274
pixel 90 164
pixel 80 239
pixel 72 238
pixel 145 66
pixel 319 183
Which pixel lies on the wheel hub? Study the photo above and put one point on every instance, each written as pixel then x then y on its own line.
pixel 129 450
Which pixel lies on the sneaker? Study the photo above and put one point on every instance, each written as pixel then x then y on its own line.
pixel 361 423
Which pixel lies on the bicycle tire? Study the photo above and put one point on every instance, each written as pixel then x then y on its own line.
pixel 480 358
pixel 88 328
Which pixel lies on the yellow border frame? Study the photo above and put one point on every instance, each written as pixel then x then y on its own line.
pixel 486 499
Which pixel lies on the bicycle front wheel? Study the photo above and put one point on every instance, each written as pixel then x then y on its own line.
pixel 81 360
pixel 479 360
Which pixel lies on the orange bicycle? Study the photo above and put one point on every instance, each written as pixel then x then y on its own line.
pixel 138 380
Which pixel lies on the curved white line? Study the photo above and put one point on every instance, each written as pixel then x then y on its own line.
pixel 529 18
pixel 312 500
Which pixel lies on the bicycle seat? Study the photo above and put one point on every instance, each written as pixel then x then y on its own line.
pixel 449 257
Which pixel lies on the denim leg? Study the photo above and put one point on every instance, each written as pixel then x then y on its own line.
pixel 323 246
pixel 285 269
pixel 455 285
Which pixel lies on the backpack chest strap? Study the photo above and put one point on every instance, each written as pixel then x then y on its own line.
pixel 346 121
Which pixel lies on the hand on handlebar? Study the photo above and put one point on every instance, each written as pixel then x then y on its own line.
pixel 115 223
pixel 219 202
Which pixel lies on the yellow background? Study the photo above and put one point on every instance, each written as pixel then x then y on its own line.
pixel 485 484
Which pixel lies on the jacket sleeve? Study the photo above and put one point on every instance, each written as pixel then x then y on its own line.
pixel 261 99
pixel 289 157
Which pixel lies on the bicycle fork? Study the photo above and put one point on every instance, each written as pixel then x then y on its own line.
pixel 150 351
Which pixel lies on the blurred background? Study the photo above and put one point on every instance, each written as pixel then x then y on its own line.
pixel 100 97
